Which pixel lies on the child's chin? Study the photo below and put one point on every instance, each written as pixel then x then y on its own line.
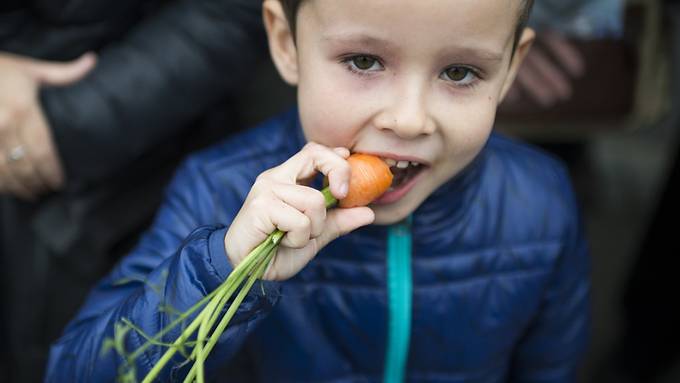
pixel 392 213
pixel 400 209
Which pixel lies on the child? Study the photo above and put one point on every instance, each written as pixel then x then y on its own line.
pixel 474 267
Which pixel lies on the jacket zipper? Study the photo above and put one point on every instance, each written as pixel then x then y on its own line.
pixel 399 295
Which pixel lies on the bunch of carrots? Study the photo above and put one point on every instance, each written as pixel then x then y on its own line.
pixel 370 178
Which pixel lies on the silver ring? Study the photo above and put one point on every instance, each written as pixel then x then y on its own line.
pixel 16 153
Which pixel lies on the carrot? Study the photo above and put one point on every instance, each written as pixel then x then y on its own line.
pixel 371 177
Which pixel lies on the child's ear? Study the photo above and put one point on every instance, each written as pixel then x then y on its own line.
pixel 523 46
pixel 281 41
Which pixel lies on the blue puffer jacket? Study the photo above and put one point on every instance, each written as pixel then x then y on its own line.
pixel 499 273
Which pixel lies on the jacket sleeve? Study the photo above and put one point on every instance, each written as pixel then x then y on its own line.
pixel 552 347
pixel 171 269
pixel 164 73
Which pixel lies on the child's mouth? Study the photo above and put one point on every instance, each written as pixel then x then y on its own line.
pixel 406 173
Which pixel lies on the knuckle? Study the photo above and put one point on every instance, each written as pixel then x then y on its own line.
pixel 313 198
pixel 263 177
pixel 313 149
pixel 299 236
pixel 296 242
pixel 344 166
pixel 303 223
pixel 260 203
pixel 256 190
pixel 311 146
pixel 317 200
pixel 266 185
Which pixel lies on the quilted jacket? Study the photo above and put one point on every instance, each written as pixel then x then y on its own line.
pixel 500 279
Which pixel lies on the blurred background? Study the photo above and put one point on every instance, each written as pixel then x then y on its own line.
pixel 599 90
pixel 618 131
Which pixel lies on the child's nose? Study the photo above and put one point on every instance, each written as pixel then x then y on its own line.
pixel 407 115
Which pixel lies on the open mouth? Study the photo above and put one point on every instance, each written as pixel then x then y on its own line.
pixel 405 174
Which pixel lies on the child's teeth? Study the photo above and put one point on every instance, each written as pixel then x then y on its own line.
pixel 402 164
pixel 390 162
pixel 414 164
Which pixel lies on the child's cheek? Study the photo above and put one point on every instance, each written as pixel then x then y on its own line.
pixel 328 135
pixel 470 128
pixel 326 128
pixel 329 119
pixel 483 126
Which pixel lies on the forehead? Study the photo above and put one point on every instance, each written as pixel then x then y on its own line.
pixel 488 25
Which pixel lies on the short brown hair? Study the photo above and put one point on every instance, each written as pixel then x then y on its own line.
pixel 290 7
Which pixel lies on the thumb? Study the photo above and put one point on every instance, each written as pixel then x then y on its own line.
pixel 62 73
pixel 342 221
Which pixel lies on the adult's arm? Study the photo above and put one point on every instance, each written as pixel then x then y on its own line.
pixel 165 72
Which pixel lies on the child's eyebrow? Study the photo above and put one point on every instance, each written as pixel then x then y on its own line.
pixel 359 39
pixel 363 40
pixel 478 53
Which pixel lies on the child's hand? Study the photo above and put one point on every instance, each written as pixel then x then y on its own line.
pixel 276 201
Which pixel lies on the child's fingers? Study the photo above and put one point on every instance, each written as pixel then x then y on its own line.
pixel 342 152
pixel 289 262
pixel 307 200
pixel 342 221
pixel 315 158
pixel 290 220
pixel 276 201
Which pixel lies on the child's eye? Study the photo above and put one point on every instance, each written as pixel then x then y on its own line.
pixel 460 75
pixel 363 63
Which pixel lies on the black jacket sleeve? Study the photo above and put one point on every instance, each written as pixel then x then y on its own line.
pixel 166 71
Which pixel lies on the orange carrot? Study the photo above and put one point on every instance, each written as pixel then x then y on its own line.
pixel 371 177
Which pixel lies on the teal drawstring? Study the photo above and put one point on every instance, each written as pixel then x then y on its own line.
pixel 399 293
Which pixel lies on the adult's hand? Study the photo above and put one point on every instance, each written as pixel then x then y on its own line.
pixel 29 162
pixel 548 71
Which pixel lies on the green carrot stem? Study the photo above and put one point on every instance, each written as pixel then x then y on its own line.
pixel 216 305
pixel 173 324
pixel 262 267
pixel 259 258
pixel 236 276
pixel 204 328
pixel 213 312
pixel 328 197
pixel 219 301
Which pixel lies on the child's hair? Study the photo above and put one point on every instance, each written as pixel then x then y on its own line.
pixel 291 7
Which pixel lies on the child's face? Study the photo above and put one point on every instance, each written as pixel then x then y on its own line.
pixel 406 80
